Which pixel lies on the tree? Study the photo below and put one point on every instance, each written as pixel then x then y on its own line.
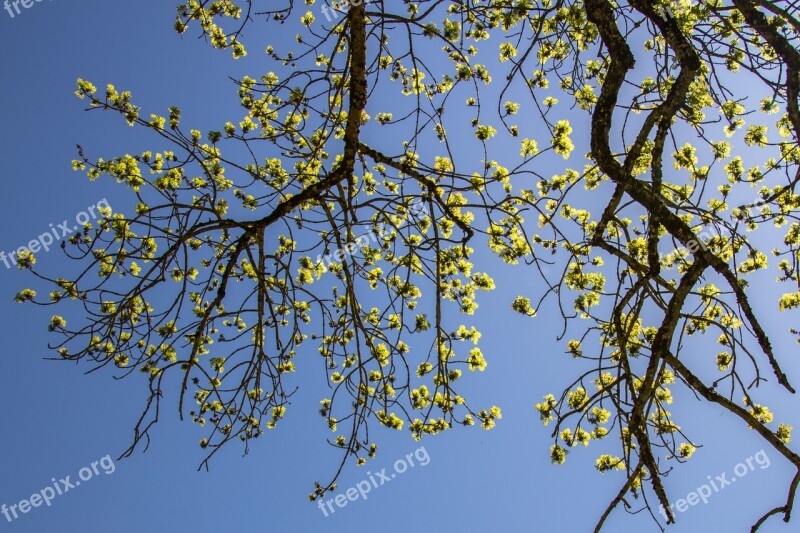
pixel 312 224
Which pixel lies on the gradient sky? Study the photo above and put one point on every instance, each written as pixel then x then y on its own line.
pixel 58 420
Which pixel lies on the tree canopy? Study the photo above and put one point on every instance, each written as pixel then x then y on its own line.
pixel 343 212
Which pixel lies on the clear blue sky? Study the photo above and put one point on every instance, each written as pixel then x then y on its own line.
pixel 57 420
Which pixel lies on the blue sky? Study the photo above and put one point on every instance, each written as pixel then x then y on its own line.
pixel 58 420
